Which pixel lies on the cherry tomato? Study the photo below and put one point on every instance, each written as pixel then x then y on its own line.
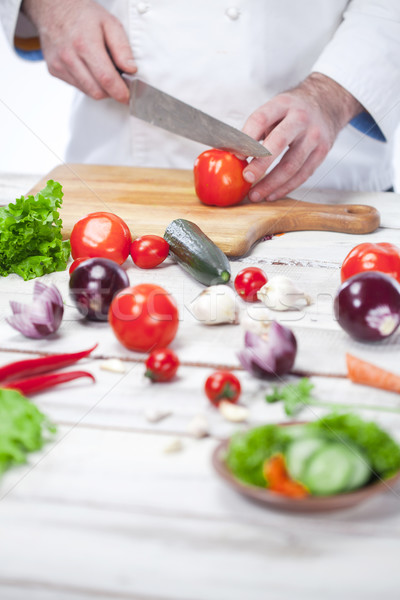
pixel 248 282
pixel 77 262
pixel 149 251
pixel 101 234
pixel 381 257
pixel 144 317
pixel 218 178
pixel 162 365
pixel 222 385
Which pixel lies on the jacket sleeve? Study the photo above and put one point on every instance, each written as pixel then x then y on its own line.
pixel 364 58
pixel 20 32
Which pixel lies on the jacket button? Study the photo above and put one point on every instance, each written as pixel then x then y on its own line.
pixel 233 13
pixel 142 7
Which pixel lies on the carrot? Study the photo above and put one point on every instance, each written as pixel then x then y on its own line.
pixel 365 373
pixel 278 478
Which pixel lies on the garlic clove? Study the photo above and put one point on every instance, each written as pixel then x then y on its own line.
pixel 154 415
pixel 281 293
pixel 173 446
pixel 198 427
pixel 114 365
pixel 233 412
pixel 256 318
pixel 215 305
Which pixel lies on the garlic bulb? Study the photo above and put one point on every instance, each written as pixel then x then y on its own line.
pixel 280 293
pixel 214 305
pixel 233 412
pixel 257 319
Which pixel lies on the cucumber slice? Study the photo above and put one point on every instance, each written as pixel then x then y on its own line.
pixel 329 470
pixel 361 472
pixel 299 453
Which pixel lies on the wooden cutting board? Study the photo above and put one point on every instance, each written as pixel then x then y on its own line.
pixel 149 199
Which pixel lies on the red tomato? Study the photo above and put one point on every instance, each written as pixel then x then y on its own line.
pixel 222 385
pixel 101 234
pixel 381 257
pixel 218 178
pixel 248 282
pixel 162 365
pixel 144 317
pixel 149 251
pixel 77 262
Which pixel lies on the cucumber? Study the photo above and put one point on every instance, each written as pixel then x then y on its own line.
pixel 196 253
pixel 299 453
pixel 329 470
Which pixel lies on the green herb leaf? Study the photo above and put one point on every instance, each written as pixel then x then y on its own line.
pixel 382 452
pixel 248 451
pixel 293 396
pixel 30 235
pixel 23 428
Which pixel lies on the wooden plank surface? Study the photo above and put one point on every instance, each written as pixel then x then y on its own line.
pixel 149 199
pixel 104 512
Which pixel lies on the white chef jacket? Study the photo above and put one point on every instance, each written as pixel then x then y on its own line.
pixel 230 58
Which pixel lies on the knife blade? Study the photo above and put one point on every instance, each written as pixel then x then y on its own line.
pixel 158 108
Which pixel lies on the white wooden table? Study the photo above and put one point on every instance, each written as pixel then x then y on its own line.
pixel 104 512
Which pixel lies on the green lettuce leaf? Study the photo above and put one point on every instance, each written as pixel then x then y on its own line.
pixel 31 243
pixel 23 428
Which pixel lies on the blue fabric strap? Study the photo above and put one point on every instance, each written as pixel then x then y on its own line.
pixel 366 124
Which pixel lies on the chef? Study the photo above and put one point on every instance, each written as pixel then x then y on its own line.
pixel 317 81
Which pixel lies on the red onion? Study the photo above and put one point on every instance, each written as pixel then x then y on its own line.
pixel 40 318
pixel 367 306
pixel 269 356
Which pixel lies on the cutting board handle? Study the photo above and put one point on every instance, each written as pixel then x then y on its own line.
pixel 344 218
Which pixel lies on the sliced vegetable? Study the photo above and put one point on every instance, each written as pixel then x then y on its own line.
pixel 93 285
pixel 278 479
pixel 334 469
pixel 33 385
pixel 42 317
pixel 367 306
pixel 271 355
pixel 196 253
pixel 36 366
pixel 365 373
pixel 300 451
pixel 23 428
pixel 30 235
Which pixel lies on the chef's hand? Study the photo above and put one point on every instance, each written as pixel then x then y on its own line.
pixel 305 121
pixel 77 39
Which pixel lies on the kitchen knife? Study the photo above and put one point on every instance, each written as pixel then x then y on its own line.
pixel 158 108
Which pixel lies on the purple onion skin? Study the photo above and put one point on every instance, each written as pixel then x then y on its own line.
pixel 271 357
pixel 367 306
pixel 93 285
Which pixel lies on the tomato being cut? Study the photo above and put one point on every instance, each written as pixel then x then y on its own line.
pixel 222 385
pixel 101 234
pixel 218 178
pixel 149 251
pixel 381 257
pixel 248 282
pixel 162 365
pixel 144 317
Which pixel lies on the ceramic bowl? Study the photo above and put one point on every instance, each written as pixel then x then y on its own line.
pixel 309 504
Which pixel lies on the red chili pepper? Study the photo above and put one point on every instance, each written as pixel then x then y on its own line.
pixel 35 366
pixel 32 385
